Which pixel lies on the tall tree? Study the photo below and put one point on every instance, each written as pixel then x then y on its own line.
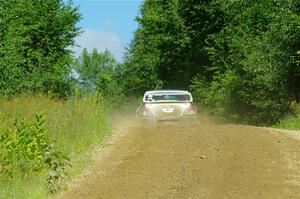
pixel 242 54
pixel 98 71
pixel 169 45
pixel 34 40
pixel 254 77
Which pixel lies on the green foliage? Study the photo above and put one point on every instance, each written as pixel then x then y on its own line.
pixel 23 147
pixel 26 150
pixel 238 57
pixel 59 164
pixel 72 128
pixel 163 34
pixel 254 53
pixel 292 122
pixel 34 41
pixel 99 72
pixel 168 49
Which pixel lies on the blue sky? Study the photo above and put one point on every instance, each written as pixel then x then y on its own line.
pixel 107 24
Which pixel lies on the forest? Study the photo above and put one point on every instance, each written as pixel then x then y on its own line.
pixel 239 58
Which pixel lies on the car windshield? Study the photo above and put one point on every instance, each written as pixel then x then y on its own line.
pixel 168 97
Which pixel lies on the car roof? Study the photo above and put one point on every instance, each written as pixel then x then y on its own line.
pixel 166 91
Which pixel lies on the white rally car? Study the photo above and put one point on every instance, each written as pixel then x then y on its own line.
pixel 167 105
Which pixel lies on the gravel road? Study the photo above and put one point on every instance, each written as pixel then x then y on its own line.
pixel 193 161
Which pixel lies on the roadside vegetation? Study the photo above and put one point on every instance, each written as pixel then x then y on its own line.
pixel 43 142
pixel 48 123
pixel 239 58
pixel 292 122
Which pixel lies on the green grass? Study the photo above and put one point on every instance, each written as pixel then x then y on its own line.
pixel 23 188
pixel 73 126
pixel 291 122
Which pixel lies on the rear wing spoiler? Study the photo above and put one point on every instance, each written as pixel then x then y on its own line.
pixel 148 97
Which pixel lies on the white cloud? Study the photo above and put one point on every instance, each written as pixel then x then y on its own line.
pixel 100 40
pixel 108 22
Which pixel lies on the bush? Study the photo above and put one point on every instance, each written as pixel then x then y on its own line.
pixel 239 98
pixel 40 152
pixel 26 150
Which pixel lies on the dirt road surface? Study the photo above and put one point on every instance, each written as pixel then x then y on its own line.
pixel 191 161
